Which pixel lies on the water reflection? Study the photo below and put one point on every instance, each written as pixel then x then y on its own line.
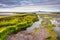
pixel 35 25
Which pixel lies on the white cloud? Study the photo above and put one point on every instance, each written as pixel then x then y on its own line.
pixel 26 3
pixel 31 9
pixel 13 3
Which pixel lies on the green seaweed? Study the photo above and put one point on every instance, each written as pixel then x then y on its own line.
pixel 15 24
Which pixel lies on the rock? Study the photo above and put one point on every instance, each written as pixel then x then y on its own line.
pixel 22 35
pixel 41 34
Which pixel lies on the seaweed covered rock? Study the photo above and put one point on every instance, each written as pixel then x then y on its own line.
pixel 15 23
pixel 42 33
pixel 49 26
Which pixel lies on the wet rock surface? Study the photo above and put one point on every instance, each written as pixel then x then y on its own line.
pixel 40 34
pixel 22 35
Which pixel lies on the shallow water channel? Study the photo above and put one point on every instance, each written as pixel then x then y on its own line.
pixel 37 25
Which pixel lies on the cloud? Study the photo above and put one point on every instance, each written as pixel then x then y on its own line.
pixel 26 3
pixel 44 2
pixel 31 9
pixel 15 3
pixel 6 4
pixel 9 3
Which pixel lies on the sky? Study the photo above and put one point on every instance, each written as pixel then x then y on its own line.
pixel 9 5
pixel 15 3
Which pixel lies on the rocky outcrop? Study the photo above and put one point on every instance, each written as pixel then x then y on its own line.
pixel 40 34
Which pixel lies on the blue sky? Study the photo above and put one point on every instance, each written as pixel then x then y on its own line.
pixel 15 3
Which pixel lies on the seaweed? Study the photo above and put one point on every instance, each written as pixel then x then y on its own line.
pixel 16 24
